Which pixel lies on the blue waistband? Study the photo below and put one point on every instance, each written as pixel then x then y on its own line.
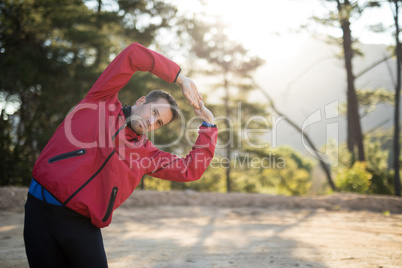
pixel 41 193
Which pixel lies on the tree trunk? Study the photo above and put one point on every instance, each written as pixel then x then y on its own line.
pixel 99 50
pixel 355 136
pixel 228 148
pixel 397 178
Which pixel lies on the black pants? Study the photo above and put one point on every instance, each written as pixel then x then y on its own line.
pixel 56 236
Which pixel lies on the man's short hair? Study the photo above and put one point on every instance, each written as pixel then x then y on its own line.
pixel 155 95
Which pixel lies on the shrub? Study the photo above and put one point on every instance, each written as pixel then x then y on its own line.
pixel 355 179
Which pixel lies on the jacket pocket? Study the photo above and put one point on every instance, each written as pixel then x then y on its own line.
pixel 110 205
pixel 67 155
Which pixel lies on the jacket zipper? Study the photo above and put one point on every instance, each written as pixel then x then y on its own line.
pixel 110 205
pixel 91 178
pixel 97 172
pixel 66 155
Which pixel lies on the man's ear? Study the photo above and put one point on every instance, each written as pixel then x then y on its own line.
pixel 140 101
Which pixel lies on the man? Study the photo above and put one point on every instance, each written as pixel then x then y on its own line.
pixel 97 157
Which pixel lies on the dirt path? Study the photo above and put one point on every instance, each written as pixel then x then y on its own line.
pixel 250 237
pixel 204 236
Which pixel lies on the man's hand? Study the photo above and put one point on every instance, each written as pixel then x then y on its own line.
pixel 189 90
pixel 204 113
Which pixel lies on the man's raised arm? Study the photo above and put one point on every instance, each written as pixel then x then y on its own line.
pixel 190 168
pixel 134 58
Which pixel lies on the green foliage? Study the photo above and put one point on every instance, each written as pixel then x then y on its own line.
pixel 293 177
pixel 377 166
pixel 39 69
pixel 280 171
pixel 232 65
pixel 379 153
pixel 368 99
pixel 338 14
pixel 51 52
pixel 274 171
pixel 355 179
pixel 213 180
pixel 151 183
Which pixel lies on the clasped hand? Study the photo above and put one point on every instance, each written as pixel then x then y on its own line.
pixel 190 91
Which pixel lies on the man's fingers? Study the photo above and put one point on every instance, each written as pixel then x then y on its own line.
pixel 188 97
pixel 194 101
pixel 201 103
pixel 190 91
pixel 195 90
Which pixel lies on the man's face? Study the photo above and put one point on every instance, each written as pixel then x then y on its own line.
pixel 146 117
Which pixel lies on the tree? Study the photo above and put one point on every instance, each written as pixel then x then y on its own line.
pixel 51 52
pixel 232 63
pixel 395 4
pixel 38 48
pixel 341 17
pixel 397 149
pixel 355 136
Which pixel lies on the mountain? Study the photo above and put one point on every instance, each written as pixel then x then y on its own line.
pixel 312 81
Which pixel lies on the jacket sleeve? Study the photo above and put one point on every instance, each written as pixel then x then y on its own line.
pixel 190 168
pixel 134 58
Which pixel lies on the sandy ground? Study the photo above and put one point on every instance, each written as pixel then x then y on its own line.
pixel 187 229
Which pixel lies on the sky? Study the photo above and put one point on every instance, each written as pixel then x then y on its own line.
pixel 271 28
pixel 268 28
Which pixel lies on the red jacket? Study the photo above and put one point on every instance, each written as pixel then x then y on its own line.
pixel 93 162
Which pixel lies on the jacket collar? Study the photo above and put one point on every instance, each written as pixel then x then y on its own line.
pixel 130 133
